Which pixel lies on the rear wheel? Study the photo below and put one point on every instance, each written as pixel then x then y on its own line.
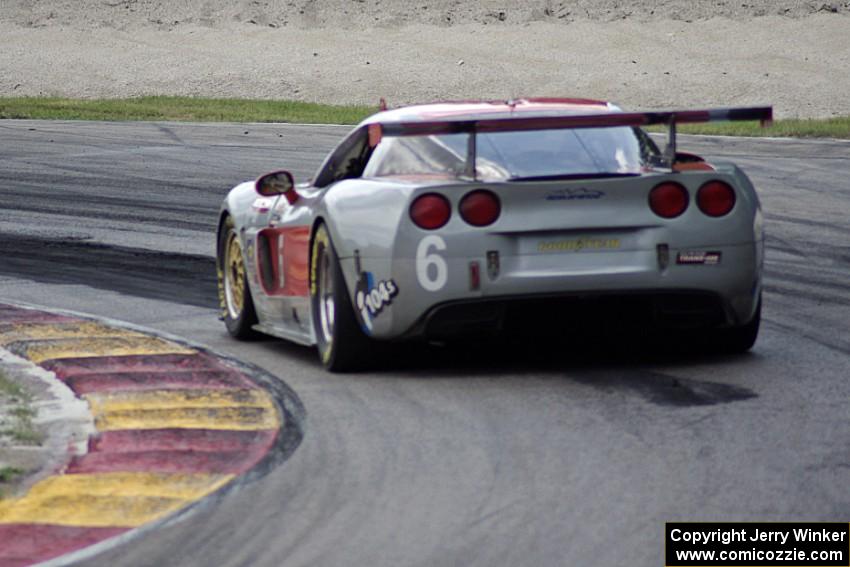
pixel 235 295
pixel 737 339
pixel 342 344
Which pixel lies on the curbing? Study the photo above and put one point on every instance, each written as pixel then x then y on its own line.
pixel 158 455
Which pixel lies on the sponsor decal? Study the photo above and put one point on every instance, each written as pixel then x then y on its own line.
pixel 580 194
pixel 698 257
pixel 578 244
pixel 371 298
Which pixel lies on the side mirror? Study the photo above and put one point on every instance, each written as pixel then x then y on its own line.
pixel 277 183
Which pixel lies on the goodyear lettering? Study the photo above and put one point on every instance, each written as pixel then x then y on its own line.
pixel 222 301
pixel 321 239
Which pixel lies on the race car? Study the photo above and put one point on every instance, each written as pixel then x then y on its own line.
pixel 452 219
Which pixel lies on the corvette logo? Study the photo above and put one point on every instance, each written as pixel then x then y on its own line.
pixel 580 194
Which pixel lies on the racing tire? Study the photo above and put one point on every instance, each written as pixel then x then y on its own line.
pixel 736 340
pixel 237 305
pixel 342 345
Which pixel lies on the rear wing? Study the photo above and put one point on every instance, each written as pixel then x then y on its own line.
pixel 764 114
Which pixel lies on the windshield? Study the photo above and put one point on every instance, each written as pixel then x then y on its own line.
pixel 503 156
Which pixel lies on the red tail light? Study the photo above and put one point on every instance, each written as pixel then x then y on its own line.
pixel 716 198
pixel 430 211
pixel 480 208
pixel 668 200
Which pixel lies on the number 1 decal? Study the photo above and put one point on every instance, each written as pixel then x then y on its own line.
pixel 432 279
pixel 281 261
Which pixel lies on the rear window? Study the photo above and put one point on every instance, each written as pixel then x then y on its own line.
pixel 503 156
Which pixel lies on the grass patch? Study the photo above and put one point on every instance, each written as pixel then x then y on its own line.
pixel 16 414
pixel 191 109
pixel 9 389
pixel 8 474
pixel 184 109
pixel 25 434
pixel 21 412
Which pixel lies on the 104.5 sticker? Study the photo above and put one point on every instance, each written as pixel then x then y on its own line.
pixel 378 297
pixel 372 300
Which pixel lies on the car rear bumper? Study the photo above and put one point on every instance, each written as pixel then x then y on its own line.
pixel 526 290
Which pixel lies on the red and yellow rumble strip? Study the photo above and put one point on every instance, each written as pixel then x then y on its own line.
pixel 174 424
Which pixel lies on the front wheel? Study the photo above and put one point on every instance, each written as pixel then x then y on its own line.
pixel 234 294
pixel 342 344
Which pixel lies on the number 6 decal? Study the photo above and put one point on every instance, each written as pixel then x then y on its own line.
pixel 432 279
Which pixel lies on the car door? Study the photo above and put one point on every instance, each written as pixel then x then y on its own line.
pixel 277 239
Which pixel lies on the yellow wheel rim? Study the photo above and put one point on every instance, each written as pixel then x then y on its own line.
pixel 234 276
pixel 327 306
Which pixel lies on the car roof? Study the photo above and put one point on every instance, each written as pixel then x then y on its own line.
pixel 485 109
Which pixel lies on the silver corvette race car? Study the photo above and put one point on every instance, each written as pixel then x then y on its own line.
pixel 454 219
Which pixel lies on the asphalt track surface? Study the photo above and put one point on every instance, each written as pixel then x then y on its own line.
pixel 571 455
